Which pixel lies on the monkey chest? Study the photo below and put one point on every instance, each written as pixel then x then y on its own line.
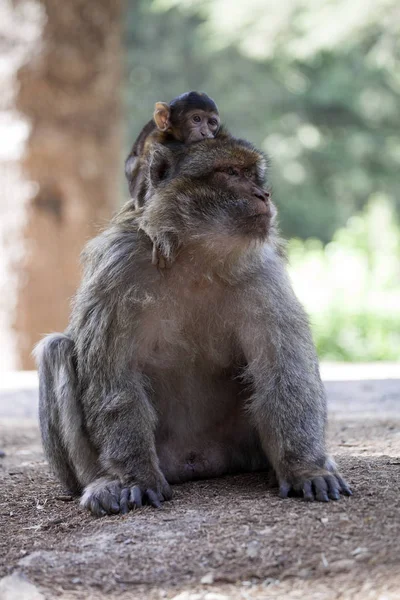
pixel 172 340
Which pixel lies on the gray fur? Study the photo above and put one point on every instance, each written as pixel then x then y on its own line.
pixel 203 369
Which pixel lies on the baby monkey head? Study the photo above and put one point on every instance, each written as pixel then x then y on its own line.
pixel 189 118
pixel 209 195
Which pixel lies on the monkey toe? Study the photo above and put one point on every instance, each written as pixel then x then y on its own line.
pixel 333 487
pixel 124 501
pixel 343 486
pixel 321 488
pixel 102 498
pixel 153 498
pixel 166 490
pixel 307 490
pixel 136 496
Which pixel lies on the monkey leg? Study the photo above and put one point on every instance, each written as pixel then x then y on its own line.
pixel 288 405
pixel 123 429
pixel 65 441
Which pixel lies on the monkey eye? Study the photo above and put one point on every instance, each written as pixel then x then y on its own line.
pixel 196 118
pixel 233 172
pixel 213 122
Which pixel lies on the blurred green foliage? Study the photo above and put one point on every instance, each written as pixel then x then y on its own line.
pixel 350 287
pixel 316 84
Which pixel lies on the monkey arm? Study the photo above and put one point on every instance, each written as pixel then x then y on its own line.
pixel 119 417
pixel 288 403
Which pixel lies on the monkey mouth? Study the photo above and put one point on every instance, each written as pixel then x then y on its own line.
pixel 256 225
pixel 261 215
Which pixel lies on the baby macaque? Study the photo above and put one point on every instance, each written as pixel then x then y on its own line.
pixel 191 117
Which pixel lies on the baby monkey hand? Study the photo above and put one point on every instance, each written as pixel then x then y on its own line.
pixel 158 259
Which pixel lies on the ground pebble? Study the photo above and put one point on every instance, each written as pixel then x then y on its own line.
pixel 187 596
pixel 341 566
pixel 253 549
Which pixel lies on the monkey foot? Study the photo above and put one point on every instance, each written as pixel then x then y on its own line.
pixel 320 486
pixel 110 497
pixel 102 497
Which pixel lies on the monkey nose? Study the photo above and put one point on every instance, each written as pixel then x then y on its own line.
pixel 261 194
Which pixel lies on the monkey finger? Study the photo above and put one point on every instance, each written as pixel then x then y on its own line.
pixel 344 488
pixel 153 498
pixel 320 489
pixel 154 255
pixel 109 498
pixel 95 508
pixel 284 489
pixel 167 491
pixel 333 487
pixel 308 494
pixel 135 498
pixel 124 501
pixel 110 503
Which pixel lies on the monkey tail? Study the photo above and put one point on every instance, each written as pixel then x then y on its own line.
pixel 66 444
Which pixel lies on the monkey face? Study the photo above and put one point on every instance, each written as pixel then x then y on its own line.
pixel 246 208
pixel 210 194
pixel 199 125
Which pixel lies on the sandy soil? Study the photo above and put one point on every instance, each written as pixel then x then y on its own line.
pixel 222 539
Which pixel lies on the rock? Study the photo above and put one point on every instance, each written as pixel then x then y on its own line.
pixel 207 579
pixel 17 587
pixel 304 573
pixel 187 596
pixel 2 454
pixel 253 549
pixel 270 581
pixel 359 550
pixel 341 566
pixel 215 596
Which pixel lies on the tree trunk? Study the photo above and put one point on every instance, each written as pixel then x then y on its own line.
pixel 59 157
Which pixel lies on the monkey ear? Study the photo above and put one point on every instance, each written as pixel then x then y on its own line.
pixel 161 116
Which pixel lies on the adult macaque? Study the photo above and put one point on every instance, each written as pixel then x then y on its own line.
pixel 206 370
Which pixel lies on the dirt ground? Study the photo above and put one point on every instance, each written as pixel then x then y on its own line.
pixel 230 538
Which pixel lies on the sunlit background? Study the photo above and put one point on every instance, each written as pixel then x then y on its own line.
pixel 315 84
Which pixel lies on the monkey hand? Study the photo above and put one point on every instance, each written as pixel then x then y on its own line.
pixel 134 495
pixel 159 260
pixel 314 484
pixel 109 496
